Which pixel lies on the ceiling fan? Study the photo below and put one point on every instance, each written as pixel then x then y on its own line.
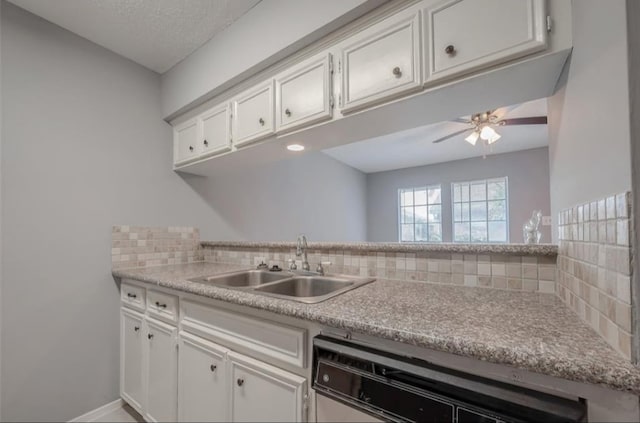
pixel 483 126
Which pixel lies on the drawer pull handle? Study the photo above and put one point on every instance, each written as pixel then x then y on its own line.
pixel 191 148
pixel 206 143
pixel 240 382
pixel 213 367
pixel 450 50
pixel 136 328
pixel 287 112
pixel 397 72
pixel 261 121
pixel 160 305
pixel 130 295
pixel 150 336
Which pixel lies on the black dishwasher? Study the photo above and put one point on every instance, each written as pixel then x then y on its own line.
pixel 404 389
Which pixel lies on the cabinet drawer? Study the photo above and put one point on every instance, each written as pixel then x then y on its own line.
pixel 383 63
pixel 253 114
pixel 215 136
pixel 280 342
pixel 303 94
pixel 459 42
pixel 162 306
pixel 132 296
pixel 185 138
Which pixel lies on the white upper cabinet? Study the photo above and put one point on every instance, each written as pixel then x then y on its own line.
pixel 253 114
pixel 185 142
pixel 261 392
pixel 162 372
pixel 382 62
pixel 465 35
pixel 304 95
pixel 202 381
pixel 215 136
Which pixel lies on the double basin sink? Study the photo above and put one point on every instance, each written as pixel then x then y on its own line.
pixel 306 288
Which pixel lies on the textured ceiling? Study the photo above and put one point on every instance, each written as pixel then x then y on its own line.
pixel 414 147
pixel 154 33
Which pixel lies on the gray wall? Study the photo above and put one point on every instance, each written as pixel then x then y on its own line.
pixel 270 31
pixel 83 147
pixel 528 173
pixel 312 194
pixel 589 139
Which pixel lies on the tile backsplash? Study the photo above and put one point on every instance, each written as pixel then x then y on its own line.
pixel 527 273
pixel 594 267
pixel 140 246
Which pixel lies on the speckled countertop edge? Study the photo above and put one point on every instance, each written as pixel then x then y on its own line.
pixel 534 332
pixel 396 247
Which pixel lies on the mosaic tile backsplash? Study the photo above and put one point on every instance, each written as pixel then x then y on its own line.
pixel 139 246
pixel 594 267
pixel 526 273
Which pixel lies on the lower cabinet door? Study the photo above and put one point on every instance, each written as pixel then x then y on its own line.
pixel 202 381
pixel 131 367
pixel 261 392
pixel 162 372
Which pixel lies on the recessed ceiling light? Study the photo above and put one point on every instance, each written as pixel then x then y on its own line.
pixel 295 147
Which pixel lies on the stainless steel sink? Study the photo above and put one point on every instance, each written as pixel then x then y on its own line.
pixel 306 288
pixel 311 289
pixel 243 279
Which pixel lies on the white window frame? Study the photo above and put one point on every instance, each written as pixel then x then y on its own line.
pixel 486 201
pixel 399 211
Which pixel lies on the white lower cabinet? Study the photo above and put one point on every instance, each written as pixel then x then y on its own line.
pixel 131 358
pixel 202 381
pixel 162 372
pixel 264 393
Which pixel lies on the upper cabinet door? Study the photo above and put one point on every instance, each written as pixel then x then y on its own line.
pixel 384 62
pixel 253 114
pixel 215 136
pixel 185 142
pixel 304 94
pixel 465 35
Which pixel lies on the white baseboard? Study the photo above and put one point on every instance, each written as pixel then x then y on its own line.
pixel 99 412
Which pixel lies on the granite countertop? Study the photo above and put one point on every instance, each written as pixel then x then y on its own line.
pixel 397 247
pixel 530 331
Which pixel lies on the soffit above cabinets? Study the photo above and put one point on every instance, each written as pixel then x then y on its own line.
pixel 154 33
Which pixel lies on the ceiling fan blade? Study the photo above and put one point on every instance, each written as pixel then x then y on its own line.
pixel 460 120
pixel 533 120
pixel 450 135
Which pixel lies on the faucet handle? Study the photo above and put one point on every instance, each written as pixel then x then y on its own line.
pixel 320 268
pixel 292 264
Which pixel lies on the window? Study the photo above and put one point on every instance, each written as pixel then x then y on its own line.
pixel 421 214
pixel 480 211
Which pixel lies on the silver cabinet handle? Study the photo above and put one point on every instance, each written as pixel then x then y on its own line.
pixel 287 112
pixel 240 381
pixel 450 50
pixel 213 367
pixel 397 72
pixel 261 121
pixel 160 305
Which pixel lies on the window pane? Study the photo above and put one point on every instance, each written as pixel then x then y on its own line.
pixel 497 231
pixel 407 233
pixel 478 232
pixel 464 192
pixel 435 233
pixel 435 196
pixel 421 214
pixel 478 192
pixel 461 232
pixel 435 214
pixel 457 212
pixel 421 233
pixel 497 210
pixel 407 215
pixel 456 193
pixel 478 211
pixel 420 197
pixel 407 197
pixel 465 212
pixel 496 190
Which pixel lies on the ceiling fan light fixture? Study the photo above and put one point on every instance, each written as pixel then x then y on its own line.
pixel 488 133
pixel 494 138
pixel 473 137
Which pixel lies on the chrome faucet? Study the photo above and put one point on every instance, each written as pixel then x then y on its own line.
pixel 301 250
